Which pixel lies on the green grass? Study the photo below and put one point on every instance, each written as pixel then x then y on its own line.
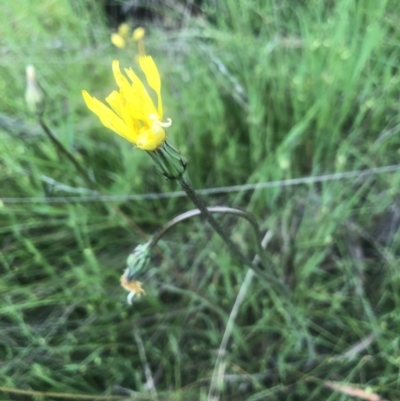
pixel 257 91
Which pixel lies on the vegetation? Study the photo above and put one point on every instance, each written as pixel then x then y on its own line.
pixel 258 91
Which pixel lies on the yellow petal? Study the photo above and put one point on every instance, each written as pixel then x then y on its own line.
pixel 107 117
pixel 119 104
pixel 125 87
pixel 149 68
pixel 121 81
pixel 117 40
pixel 131 103
pixel 114 100
pixel 141 95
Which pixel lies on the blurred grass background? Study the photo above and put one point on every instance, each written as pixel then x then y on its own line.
pixel 257 91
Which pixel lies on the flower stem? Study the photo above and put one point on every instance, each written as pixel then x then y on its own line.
pixel 196 212
pixel 192 195
pixel 65 152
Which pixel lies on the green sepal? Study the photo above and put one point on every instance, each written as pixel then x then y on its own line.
pixel 169 162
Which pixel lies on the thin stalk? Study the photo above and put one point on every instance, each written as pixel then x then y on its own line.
pixel 211 209
pixel 206 212
pixel 65 152
pixel 192 195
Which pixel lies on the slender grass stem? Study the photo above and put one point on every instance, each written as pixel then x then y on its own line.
pixel 63 151
pixel 219 368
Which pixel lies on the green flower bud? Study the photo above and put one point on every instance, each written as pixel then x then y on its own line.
pixel 169 161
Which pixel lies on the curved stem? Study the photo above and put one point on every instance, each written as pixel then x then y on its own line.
pixel 196 212
pixel 228 210
pixel 219 368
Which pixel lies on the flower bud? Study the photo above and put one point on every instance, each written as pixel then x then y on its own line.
pixel 117 40
pixel 123 30
pixel 34 96
pixel 169 162
pixel 138 34
pixel 284 161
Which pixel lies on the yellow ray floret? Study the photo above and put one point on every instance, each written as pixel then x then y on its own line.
pixel 132 113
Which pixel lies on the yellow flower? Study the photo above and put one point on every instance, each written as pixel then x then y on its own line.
pixel 133 114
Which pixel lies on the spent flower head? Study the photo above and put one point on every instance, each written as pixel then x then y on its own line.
pixel 132 113
pixel 137 263
pixel 134 287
